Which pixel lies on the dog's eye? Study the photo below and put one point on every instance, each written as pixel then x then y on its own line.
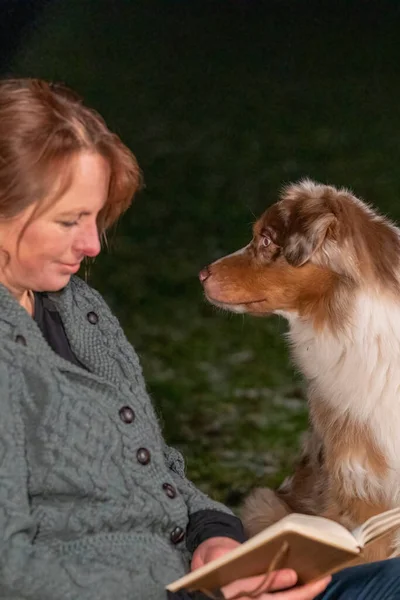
pixel 265 241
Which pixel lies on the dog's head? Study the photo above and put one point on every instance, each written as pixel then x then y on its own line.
pixel 308 249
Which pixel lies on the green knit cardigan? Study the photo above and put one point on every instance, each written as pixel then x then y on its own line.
pixel 85 512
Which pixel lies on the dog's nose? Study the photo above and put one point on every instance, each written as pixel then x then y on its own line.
pixel 204 274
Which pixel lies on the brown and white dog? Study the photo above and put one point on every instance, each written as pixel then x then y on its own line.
pixel 331 265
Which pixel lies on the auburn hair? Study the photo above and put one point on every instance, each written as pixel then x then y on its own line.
pixel 43 126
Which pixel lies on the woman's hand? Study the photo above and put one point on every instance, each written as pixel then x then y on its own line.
pixel 280 580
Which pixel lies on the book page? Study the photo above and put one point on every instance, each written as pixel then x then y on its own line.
pixel 377 526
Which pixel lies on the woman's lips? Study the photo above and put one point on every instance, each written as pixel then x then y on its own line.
pixel 72 268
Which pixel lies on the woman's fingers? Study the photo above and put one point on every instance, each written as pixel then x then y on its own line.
pixel 280 580
pixel 305 592
pixel 261 584
pixel 277 580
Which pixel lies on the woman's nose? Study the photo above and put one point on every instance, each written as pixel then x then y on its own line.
pixel 89 243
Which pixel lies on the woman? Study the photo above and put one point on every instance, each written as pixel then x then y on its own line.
pixel 93 503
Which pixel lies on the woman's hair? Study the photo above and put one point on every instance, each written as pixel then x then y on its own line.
pixel 43 126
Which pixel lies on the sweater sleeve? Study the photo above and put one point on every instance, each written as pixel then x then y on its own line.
pixel 30 571
pixel 194 498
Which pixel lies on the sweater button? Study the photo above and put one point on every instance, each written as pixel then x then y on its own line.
pixel 177 535
pixel 20 340
pixel 143 456
pixel 126 414
pixel 92 317
pixel 169 490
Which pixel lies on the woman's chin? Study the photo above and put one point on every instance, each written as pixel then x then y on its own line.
pixel 55 284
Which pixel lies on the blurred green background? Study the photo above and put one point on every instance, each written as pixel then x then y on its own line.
pixel 223 102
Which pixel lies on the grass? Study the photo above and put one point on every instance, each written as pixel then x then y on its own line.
pixel 223 103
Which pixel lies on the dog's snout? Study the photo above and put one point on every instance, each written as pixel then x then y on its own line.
pixel 204 274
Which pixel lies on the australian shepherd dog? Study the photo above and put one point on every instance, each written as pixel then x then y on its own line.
pixel 330 265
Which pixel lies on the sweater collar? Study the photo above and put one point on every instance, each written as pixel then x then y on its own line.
pixel 90 340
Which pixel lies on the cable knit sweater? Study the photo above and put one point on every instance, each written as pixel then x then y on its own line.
pixel 88 509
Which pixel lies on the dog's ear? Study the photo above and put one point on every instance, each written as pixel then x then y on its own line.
pixel 305 236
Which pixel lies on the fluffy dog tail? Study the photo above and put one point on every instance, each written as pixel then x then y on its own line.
pixel 262 508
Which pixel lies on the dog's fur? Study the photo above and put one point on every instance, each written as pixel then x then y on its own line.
pixel 331 265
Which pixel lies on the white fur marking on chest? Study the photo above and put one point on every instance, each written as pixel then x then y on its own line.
pixel 357 371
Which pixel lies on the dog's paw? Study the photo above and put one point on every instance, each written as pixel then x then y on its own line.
pixel 261 509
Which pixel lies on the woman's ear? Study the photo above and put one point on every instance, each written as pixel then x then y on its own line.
pixel 305 236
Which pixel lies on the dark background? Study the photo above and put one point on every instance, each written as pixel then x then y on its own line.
pixel 222 102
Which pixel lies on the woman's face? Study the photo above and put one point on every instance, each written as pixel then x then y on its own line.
pixel 56 241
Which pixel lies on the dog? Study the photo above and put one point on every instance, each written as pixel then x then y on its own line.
pixel 329 264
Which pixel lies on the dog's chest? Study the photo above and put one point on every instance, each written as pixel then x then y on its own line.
pixel 355 404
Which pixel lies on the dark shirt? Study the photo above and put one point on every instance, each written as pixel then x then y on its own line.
pixel 48 318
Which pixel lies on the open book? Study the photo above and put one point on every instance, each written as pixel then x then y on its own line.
pixel 312 546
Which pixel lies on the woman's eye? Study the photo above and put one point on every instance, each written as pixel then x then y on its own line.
pixel 68 223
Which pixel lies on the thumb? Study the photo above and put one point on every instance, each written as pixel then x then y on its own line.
pixel 284 578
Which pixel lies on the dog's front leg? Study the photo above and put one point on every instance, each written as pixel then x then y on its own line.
pixel 302 492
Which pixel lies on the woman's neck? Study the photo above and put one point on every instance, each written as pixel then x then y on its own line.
pixel 23 296
pixel 27 300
